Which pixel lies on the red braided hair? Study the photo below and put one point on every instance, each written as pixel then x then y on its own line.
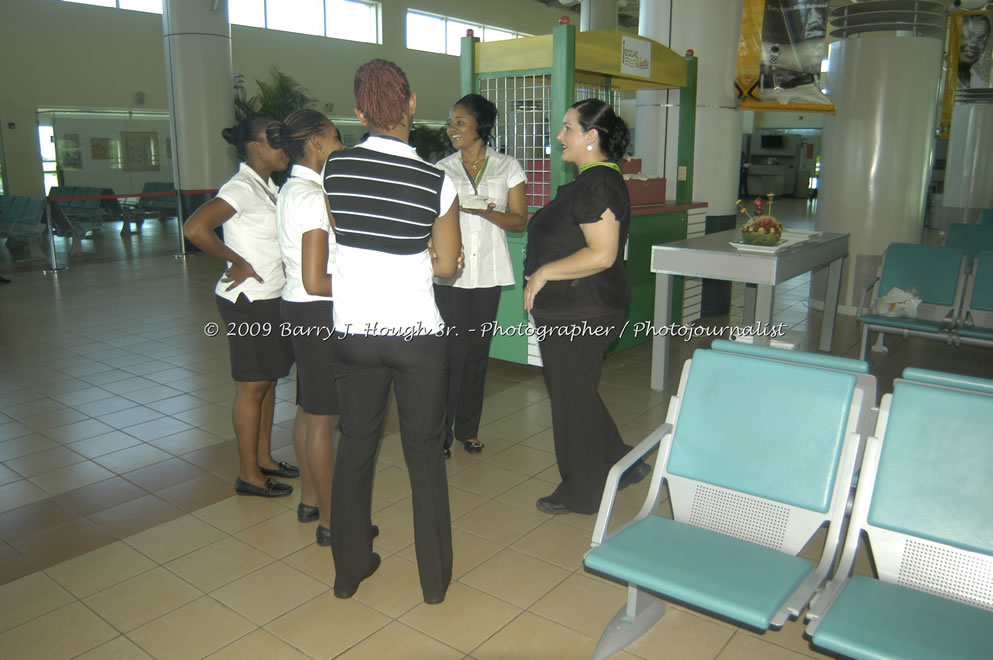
pixel 382 93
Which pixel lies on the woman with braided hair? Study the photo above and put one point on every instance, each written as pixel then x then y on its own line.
pixel 395 220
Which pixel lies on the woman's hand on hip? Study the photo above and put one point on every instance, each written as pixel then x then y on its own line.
pixel 533 284
pixel 238 273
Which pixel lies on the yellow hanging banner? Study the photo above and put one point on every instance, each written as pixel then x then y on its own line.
pixel 780 50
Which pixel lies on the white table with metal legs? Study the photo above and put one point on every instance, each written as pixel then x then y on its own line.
pixel 712 256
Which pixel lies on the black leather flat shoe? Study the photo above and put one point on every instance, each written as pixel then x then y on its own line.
pixel 348 592
pixel 473 446
pixel 550 506
pixel 307 513
pixel 634 474
pixel 271 488
pixel 285 471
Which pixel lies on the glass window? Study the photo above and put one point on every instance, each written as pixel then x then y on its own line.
pixel 98 3
pixel 356 21
pixel 494 34
pixel 247 12
pixel 425 32
pixel 454 31
pixel 301 16
pixel 151 6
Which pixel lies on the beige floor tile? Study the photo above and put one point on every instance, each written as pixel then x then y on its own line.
pixel 550 475
pixel 396 640
pixel 239 512
pixel 314 561
pixel 500 523
pixel 513 427
pixel 581 603
pixel 86 428
pixel 259 644
pixel 64 633
pixel 464 620
pixel 141 599
pixel 486 480
pixel 132 458
pixel 269 592
pixel 280 535
pixel 556 543
pixel 28 598
pixel 461 502
pixel 525 494
pixel 681 634
pixel 119 648
pixel 219 563
pixel 71 477
pixel 19 493
pixel 53 419
pixel 535 638
pixel 43 461
pixel 748 647
pixel 544 441
pixel 24 445
pixel 394 589
pixel 165 542
pixel 187 441
pixel 327 626
pixel 790 636
pixel 515 577
pixel 396 527
pixel 193 631
pixel 522 459
pixel 99 569
pixel 178 404
pixel 105 443
pixel 391 484
pixel 8 476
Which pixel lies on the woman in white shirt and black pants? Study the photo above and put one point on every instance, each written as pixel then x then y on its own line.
pixel 491 201
pixel 248 296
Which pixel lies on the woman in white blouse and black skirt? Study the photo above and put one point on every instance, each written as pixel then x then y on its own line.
pixel 248 295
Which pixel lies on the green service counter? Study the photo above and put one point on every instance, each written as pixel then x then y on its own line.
pixel 650 225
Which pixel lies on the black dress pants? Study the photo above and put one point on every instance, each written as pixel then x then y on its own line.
pixel 587 442
pixel 466 310
pixel 365 368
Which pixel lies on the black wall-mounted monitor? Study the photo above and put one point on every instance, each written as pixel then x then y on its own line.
pixel 771 141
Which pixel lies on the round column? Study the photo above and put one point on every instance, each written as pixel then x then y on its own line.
pixel 199 82
pixel 597 15
pixel 877 149
pixel 969 169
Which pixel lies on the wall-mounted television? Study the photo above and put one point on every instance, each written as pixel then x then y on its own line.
pixel 771 141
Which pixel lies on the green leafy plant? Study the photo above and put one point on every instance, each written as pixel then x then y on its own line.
pixel 431 142
pixel 277 97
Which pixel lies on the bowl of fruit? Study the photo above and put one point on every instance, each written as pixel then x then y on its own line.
pixel 761 228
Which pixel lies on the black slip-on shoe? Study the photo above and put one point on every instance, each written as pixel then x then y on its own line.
pixel 285 470
pixel 307 513
pixel 550 506
pixel 271 489
pixel 634 474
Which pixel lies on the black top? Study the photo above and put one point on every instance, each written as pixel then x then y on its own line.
pixel 381 201
pixel 554 232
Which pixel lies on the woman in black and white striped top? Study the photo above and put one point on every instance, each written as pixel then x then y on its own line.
pixel 395 219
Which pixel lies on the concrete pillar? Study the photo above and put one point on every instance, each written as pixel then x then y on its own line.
pixel 877 149
pixel 197 40
pixel 711 29
pixel 597 15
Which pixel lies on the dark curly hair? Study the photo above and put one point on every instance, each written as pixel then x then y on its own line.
pixel 382 93
pixel 611 129
pixel 249 129
pixel 483 111
pixel 293 132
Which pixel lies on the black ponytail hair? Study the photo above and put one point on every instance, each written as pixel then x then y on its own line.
pixel 292 133
pixel 249 129
pixel 612 130
pixel 483 111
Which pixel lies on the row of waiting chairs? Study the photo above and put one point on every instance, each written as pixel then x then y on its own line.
pixel 955 287
pixel 761 449
pixel 22 222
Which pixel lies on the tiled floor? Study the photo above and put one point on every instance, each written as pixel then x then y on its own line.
pixel 120 536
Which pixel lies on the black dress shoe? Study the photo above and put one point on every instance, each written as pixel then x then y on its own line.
pixel 285 470
pixel 473 446
pixel 307 513
pixel 447 452
pixel 434 599
pixel 271 488
pixel 348 592
pixel 634 474
pixel 550 506
pixel 324 535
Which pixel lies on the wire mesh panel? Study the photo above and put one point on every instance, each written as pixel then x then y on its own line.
pixel 590 86
pixel 522 127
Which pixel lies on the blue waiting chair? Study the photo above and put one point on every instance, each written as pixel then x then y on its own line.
pixel 943 379
pixel 976 320
pixel 758 456
pixel 923 503
pixel 971 238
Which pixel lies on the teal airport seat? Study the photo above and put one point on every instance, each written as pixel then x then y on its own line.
pixel 944 379
pixel 971 238
pixel 923 504
pixel 758 456
pixel 976 320
pixel 935 274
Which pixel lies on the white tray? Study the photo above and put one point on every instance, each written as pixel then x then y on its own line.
pixel 783 244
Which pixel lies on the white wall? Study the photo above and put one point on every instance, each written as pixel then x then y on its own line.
pixel 61 54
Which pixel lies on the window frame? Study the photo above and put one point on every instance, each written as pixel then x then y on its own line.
pixel 479 30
